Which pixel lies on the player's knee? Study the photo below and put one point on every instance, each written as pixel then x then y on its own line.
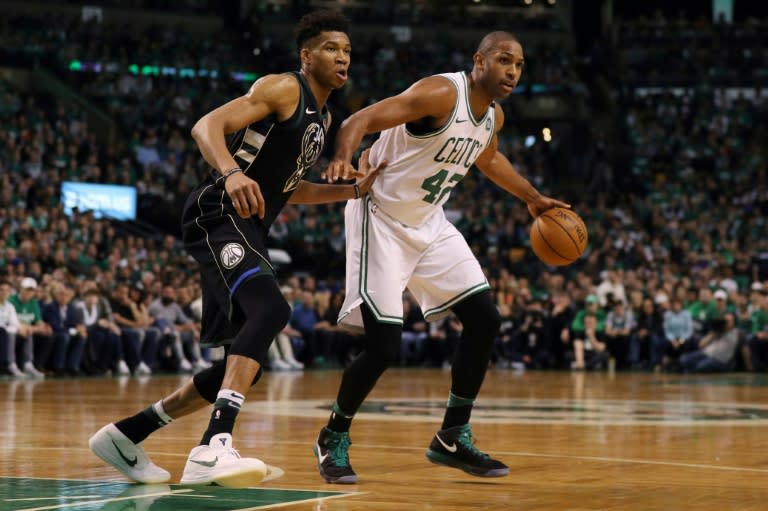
pixel 255 336
pixel 479 314
pixel 266 313
pixel 261 301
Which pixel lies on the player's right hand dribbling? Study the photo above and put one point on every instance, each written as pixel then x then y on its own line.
pixel 245 194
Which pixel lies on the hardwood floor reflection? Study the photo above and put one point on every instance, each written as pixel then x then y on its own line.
pixel 572 440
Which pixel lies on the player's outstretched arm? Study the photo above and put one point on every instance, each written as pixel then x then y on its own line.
pixel 316 193
pixel 501 171
pixel 433 96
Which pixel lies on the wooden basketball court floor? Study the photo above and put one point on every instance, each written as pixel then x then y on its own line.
pixel 573 441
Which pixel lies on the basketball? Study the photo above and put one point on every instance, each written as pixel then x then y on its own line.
pixel 558 236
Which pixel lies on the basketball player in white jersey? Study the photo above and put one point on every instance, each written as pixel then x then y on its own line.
pixel 398 237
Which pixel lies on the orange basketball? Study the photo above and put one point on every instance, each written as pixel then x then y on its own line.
pixel 558 236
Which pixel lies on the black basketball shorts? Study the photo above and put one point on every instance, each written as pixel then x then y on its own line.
pixel 230 251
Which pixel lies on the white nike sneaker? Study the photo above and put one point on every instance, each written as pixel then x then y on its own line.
pixel 116 449
pixel 219 463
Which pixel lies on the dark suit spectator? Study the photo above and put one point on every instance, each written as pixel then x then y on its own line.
pixel 648 332
pixel 557 331
pixel 304 319
pixel 758 332
pixel 105 348
pixel 619 325
pixel 69 331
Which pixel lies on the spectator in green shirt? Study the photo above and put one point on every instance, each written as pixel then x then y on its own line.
pixel 32 329
pixel 587 329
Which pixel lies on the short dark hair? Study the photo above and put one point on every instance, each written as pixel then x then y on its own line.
pixel 493 38
pixel 315 22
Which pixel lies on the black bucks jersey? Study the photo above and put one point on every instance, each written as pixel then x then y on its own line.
pixel 231 249
pixel 278 154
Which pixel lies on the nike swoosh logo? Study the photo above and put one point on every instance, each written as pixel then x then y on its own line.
pixel 130 462
pixel 310 111
pixel 320 457
pixel 209 464
pixel 449 448
pixel 461 120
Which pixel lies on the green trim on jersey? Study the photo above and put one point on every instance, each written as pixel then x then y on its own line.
pixel 382 318
pixel 469 107
pixel 493 127
pixel 447 124
pixel 456 299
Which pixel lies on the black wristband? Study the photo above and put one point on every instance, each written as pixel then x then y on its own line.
pixel 356 188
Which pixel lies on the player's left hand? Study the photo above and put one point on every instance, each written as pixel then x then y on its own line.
pixel 369 176
pixel 340 169
pixel 543 203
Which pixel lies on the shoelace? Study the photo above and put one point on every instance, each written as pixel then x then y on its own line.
pixel 468 441
pixel 339 447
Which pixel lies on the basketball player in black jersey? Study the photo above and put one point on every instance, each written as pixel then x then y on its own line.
pixel 279 130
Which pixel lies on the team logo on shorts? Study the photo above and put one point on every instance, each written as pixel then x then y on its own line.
pixel 231 255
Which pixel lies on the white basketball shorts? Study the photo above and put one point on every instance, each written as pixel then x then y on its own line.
pixel 385 256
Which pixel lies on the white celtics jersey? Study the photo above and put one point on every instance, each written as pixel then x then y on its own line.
pixel 423 169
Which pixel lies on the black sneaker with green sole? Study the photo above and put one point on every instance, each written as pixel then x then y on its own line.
pixel 332 452
pixel 455 447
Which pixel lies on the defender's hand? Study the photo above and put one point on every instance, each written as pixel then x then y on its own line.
pixel 369 176
pixel 245 194
pixel 340 169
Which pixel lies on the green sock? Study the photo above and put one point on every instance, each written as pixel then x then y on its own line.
pixel 339 421
pixel 457 411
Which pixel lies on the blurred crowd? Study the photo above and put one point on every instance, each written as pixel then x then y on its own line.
pixel 675 201
pixel 663 50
